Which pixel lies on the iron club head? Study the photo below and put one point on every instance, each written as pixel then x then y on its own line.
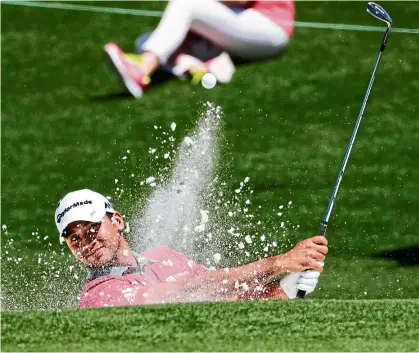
pixel 378 12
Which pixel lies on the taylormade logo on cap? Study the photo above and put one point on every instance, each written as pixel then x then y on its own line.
pixel 61 215
pixel 81 205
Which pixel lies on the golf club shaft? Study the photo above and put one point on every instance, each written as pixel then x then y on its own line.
pixel 323 225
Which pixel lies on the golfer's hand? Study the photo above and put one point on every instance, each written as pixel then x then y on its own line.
pixel 306 281
pixel 308 254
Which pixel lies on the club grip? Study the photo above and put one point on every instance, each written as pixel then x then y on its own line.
pixel 322 228
pixel 322 231
pixel 301 294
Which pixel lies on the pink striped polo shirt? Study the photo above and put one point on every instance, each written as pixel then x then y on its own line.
pixel 120 286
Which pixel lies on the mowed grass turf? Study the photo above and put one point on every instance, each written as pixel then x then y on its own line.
pixel 286 125
pixel 322 325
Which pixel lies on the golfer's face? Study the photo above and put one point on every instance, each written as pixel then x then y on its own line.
pixel 95 244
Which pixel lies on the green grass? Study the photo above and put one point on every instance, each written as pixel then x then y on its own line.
pixel 338 325
pixel 286 125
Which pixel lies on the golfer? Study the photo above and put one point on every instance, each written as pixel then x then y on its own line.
pixel 199 36
pixel 118 276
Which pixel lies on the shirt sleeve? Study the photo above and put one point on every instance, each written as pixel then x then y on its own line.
pixel 112 291
pixel 171 263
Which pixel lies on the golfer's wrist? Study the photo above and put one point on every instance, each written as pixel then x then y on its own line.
pixel 281 263
pixel 275 265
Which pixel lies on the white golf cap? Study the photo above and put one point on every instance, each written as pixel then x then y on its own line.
pixel 81 205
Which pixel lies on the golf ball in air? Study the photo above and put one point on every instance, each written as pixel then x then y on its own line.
pixel 209 81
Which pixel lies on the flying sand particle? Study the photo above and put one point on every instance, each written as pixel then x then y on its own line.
pixel 217 258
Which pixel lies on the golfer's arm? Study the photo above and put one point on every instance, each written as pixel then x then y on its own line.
pixel 255 275
pixel 221 284
pixel 255 272
pixel 268 291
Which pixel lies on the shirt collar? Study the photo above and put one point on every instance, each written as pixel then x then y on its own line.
pixel 141 261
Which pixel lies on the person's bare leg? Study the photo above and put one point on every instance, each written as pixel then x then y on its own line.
pixel 149 62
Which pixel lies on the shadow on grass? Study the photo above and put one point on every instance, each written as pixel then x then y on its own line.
pixel 404 256
pixel 157 79
pixel 111 96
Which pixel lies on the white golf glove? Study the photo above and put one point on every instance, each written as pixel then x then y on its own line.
pixel 305 281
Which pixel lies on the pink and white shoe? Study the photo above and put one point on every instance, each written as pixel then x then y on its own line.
pixel 129 72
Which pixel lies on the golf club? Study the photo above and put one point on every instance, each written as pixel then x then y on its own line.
pixel 378 12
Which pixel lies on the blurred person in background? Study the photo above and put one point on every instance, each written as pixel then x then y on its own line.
pixel 199 36
pixel 118 276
